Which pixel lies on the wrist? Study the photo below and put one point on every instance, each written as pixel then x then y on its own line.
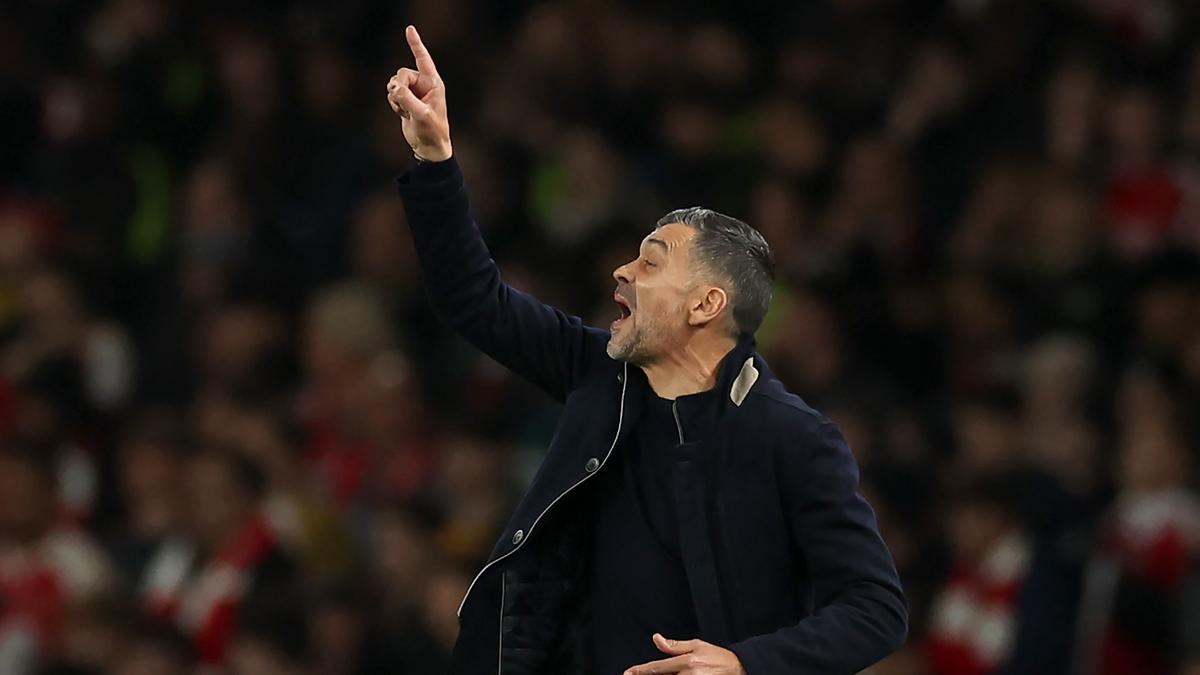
pixel 433 154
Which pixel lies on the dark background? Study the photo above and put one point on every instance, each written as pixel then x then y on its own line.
pixel 986 218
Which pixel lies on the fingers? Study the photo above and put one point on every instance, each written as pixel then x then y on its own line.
pixel 420 53
pixel 397 82
pixel 405 77
pixel 401 97
pixel 396 108
pixel 675 664
pixel 408 104
pixel 674 646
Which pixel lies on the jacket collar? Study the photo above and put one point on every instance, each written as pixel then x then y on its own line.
pixel 736 376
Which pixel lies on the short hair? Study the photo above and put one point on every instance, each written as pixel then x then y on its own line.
pixel 737 253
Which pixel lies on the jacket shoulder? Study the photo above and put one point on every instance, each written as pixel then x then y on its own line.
pixel 786 411
pixel 804 442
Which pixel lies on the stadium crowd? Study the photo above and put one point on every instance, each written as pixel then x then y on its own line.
pixel 234 438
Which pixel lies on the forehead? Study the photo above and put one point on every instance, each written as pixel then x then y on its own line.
pixel 670 235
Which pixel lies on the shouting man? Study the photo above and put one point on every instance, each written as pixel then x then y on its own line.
pixel 691 515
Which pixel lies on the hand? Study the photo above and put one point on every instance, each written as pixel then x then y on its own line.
pixel 419 98
pixel 690 657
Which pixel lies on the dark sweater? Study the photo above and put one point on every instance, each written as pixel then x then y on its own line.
pixel 640 584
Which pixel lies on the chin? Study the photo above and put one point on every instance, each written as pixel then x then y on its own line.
pixel 627 353
pixel 621 350
pixel 614 350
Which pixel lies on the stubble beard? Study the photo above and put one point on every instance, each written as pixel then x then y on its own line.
pixel 632 349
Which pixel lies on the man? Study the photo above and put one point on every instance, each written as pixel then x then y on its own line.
pixel 231 561
pixel 691 516
pixel 47 566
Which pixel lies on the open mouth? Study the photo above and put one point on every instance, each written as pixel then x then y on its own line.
pixel 626 312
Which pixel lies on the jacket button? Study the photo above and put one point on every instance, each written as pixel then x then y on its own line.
pixel 592 465
pixel 518 536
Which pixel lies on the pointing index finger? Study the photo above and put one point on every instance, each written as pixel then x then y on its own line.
pixel 420 53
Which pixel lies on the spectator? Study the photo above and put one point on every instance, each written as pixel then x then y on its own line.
pixel 975 618
pixel 403 565
pixel 301 517
pixel 1133 603
pixel 229 558
pixel 1143 198
pixel 347 332
pixel 45 566
pixel 477 496
pixel 149 468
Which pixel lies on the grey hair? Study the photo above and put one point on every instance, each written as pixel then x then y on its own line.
pixel 736 253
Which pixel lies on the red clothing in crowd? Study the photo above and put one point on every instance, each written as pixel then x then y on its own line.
pixel 203 599
pixel 974 618
pixel 351 469
pixel 37 585
pixel 1142 207
pixel 1147 550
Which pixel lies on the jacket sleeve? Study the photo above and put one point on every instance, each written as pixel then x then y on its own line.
pixel 859 614
pixel 534 340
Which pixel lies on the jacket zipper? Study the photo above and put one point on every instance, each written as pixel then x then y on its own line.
pixel 620 419
pixel 500 642
pixel 678 426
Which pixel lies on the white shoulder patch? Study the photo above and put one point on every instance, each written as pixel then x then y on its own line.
pixel 745 380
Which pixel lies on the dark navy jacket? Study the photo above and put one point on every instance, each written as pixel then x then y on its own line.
pixel 783 557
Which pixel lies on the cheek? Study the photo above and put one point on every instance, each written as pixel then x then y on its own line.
pixel 649 307
pixel 661 310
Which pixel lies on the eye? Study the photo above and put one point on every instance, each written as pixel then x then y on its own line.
pixel 650 263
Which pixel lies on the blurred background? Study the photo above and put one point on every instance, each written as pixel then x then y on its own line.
pixel 236 440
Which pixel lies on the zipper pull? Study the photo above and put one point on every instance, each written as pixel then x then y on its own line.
pixel 678 425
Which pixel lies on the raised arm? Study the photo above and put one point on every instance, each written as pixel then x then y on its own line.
pixel 538 342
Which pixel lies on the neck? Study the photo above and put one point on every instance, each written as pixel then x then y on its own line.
pixel 689 370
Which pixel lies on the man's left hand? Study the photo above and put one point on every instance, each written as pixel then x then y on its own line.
pixel 690 657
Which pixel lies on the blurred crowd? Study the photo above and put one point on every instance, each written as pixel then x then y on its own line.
pixel 235 439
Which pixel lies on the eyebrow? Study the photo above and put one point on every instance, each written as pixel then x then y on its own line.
pixel 660 242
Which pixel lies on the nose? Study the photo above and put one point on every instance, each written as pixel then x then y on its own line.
pixel 621 274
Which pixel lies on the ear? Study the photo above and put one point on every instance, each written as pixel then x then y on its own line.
pixel 707 306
